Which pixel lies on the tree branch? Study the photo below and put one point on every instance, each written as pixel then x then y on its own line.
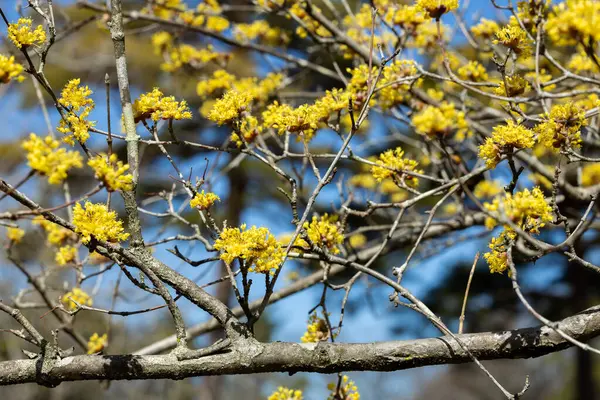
pixel 253 357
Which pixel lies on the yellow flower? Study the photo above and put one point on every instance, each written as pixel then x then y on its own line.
pixel 256 246
pixel 155 106
pixel 407 17
pixel 65 255
pixel 111 172
pixel 357 240
pixel 75 99
pixel 165 8
pixel 395 160
pixel 9 69
pixel 324 232
pixel 203 201
pixel 21 34
pixel 497 258
pixel 97 221
pixel 56 233
pixel 437 8
pixel 229 107
pixel 75 96
pixel 514 38
pixel 97 343
pixel 515 85
pixel 44 156
pixel 581 62
pixel 347 390
pixel 485 29
pixel 221 80
pixel 249 128
pixel 473 71
pixel 262 31
pixel 529 210
pixel 78 296
pixel 303 120
pixel 15 234
pixel 505 139
pixel 283 393
pixel 440 121
pixel 316 331
pixel 590 174
pixel 487 189
pixel 561 127
pixel 574 21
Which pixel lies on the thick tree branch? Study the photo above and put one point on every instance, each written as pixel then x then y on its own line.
pixel 254 357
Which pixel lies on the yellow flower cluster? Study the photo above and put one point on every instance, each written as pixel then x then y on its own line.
pixel 44 156
pixel 441 121
pixel 65 255
pixel 561 127
pixel 257 247
pixel 283 393
pixel 505 139
pixel 324 232
pixel 203 201
pixel 473 71
pixel 75 99
pixel 230 106
pixel 76 295
pixel 246 130
pixel 260 30
pixel 406 17
pixel 9 69
pixel 387 186
pixel 308 23
pixel 97 343
pixel 573 22
pixel 357 240
pixel 22 35
pixel 316 331
pixel 529 210
pixel 156 106
pixel 590 174
pixel 497 258
pixel 395 160
pixel 485 29
pixel 437 8
pixel 515 39
pixel 207 16
pixel 221 81
pixel 97 221
pixel 15 234
pixel 581 62
pixel 393 86
pixel 487 189
pixel 515 85
pixel 347 390
pixel 178 56
pixel 165 8
pixel 111 172
pixel 56 234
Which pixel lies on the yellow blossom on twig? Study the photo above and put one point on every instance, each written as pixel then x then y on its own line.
pixel 203 201
pixel 97 343
pixel 9 69
pixel 111 172
pixel 257 247
pixel 22 35
pixel 15 234
pixel 283 393
pixel 97 221
pixel 45 156
pixel 74 297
